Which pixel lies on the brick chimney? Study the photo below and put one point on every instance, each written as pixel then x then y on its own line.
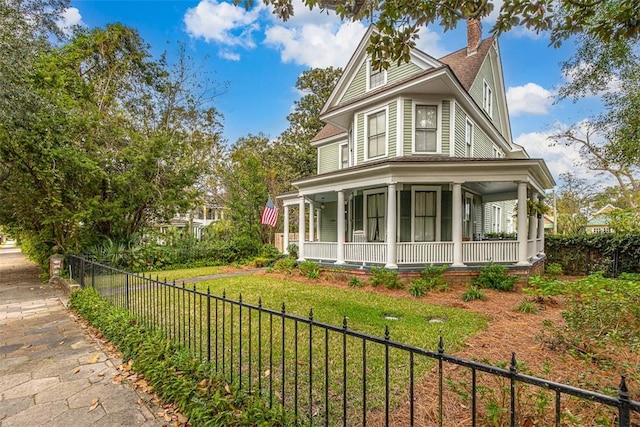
pixel 474 34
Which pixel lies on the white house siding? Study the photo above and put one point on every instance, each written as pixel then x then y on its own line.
pixel 358 86
pixel 360 139
pixel 407 123
pixel 392 133
pixel 328 158
pixel 396 73
pixel 446 126
pixel 461 122
pixel 482 145
pixel 487 73
pixel 328 224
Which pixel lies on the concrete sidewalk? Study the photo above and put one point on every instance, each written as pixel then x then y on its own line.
pixel 52 372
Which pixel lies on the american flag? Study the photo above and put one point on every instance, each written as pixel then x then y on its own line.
pixel 269 214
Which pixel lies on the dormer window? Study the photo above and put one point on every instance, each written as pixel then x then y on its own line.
pixel 487 98
pixel 375 78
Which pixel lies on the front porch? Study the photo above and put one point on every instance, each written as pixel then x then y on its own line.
pixel 420 219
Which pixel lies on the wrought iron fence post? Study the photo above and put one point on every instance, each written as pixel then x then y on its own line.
pixel 209 324
pixel 623 397
pixel 93 275
pixel 82 272
pixel 126 291
pixel 440 389
pixel 513 370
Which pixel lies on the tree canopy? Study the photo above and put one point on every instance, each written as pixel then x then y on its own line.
pixel 97 138
pixel 399 21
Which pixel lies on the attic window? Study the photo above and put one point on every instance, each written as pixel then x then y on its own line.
pixel 375 78
pixel 487 98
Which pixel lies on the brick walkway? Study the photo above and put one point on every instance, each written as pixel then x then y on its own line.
pixel 52 372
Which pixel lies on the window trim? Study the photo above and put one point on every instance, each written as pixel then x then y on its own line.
pixel 369 70
pixel 438 191
pixel 428 103
pixel 366 133
pixel 487 98
pixel 365 193
pixel 469 138
pixel 341 146
pixel 496 218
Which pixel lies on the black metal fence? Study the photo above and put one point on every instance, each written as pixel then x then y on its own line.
pixel 332 375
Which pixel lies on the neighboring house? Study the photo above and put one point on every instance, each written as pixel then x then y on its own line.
pixel 416 164
pixel 599 222
pixel 198 219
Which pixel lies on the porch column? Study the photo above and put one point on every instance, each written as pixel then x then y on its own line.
pixel 541 234
pixel 312 228
pixel 533 229
pixel 456 227
pixel 522 224
pixel 340 254
pixel 301 229
pixel 391 227
pixel 318 212
pixel 285 238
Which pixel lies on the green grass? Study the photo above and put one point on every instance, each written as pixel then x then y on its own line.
pixel 365 310
pixel 185 273
pixel 276 352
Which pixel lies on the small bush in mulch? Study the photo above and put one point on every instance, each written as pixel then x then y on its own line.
pixel 175 375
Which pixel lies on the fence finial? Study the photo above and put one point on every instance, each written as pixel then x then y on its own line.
pixel 512 367
pixel 623 391
pixel 441 345
pixel 260 302
pixel 344 322
pixel 283 310
pixel 311 315
pixel 386 332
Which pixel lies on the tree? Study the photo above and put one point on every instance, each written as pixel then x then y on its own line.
pixel 609 142
pixel 573 204
pixel 110 141
pixel 400 21
pixel 249 177
pixel 293 147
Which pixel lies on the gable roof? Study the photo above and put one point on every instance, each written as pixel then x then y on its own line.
pixel 465 67
pixel 327 131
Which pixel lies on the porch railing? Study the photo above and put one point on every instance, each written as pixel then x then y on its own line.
pixel 486 251
pixel 427 252
pixel 375 253
pixel 324 251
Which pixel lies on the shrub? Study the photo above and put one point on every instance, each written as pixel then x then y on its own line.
pixel 387 278
pixel 433 277
pixel 174 373
pixel 526 306
pixel 355 282
pixel 494 276
pixel 293 250
pixel 542 289
pixel 285 264
pixel 309 269
pixel 418 287
pixel 473 293
pixel 553 270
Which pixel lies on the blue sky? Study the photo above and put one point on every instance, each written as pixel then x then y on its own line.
pixel 260 57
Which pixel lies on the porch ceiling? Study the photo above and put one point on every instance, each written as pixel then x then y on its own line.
pixel 483 176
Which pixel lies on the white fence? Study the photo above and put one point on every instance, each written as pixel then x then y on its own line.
pixel 421 252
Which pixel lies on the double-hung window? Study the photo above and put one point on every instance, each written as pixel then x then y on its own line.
pixel 376 78
pixel 487 98
pixel 425 216
pixel 496 219
pixel 426 136
pixel 377 134
pixel 468 138
pixel 376 222
pixel 344 156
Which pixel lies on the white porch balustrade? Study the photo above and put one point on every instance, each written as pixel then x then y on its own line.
pixel 323 251
pixel 496 251
pixel 504 251
pixel 431 253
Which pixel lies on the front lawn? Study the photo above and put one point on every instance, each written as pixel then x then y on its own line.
pixel 185 273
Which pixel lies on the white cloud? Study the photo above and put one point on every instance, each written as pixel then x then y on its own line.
pixel 529 99
pixel 559 158
pixel 316 45
pixel 231 56
pixel 223 23
pixel 69 18
pixel 429 43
